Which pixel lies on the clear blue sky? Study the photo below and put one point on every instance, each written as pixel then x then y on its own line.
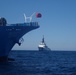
pixel 58 22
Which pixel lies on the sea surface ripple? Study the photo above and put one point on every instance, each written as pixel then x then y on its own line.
pixel 40 63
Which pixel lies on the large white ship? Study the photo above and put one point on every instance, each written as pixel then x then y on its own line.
pixel 42 46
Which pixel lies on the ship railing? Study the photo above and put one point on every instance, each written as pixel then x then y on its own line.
pixel 25 24
pixel 31 24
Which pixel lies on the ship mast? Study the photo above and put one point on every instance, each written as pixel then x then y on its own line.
pixel 43 39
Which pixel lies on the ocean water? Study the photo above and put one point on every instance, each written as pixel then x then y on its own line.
pixel 40 63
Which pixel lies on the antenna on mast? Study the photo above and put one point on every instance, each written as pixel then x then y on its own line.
pixel 28 18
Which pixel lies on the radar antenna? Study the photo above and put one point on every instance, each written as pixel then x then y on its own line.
pixel 28 18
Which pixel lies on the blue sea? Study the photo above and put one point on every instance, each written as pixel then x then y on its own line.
pixel 40 63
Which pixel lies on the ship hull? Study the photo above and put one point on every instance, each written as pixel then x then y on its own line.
pixel 3 58
pixel 9 36
pixel 43 49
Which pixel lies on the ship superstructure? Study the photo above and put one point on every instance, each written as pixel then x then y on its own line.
pixel 42 46
pixel 10 34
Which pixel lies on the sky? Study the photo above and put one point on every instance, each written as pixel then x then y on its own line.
pixel 58 22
